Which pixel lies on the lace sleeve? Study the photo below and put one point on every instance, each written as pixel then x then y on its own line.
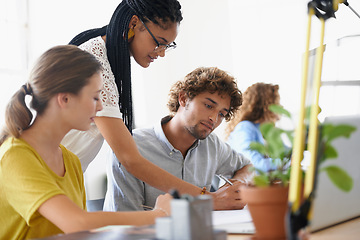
pixel 110 94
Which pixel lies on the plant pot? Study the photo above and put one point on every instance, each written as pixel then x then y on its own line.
pixel 268 207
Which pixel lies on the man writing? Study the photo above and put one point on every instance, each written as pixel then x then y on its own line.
pixel 184 145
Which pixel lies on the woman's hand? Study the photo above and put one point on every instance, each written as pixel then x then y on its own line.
pixel 163 204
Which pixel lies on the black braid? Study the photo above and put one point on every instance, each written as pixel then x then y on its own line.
pixel 87 35
pixel 119 58
pixel 117 46
pixel 155 10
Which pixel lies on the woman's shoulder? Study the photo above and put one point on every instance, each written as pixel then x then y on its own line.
pixel 69 155
pixel 70 158
pixel 95 46
pixel 13 152
pixel 246 124
pixel 14 144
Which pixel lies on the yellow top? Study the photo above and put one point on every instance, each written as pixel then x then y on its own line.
pixel 26 182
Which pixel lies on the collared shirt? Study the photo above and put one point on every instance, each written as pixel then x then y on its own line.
pixel 204 159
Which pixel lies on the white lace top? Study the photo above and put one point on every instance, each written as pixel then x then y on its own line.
pixel 87 144
pixel 110 93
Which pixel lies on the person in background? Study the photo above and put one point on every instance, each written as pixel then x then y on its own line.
pixel 244 127
pixel 183 144
pixel 42 190
pixel 144 30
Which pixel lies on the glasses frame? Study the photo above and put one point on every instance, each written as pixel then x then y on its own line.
pixel 159 46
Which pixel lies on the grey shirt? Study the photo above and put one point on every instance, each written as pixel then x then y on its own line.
pixel 204 159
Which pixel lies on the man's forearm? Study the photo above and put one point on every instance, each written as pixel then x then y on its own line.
pixel 244 174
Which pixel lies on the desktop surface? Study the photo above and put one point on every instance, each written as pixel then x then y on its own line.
pixel 349 230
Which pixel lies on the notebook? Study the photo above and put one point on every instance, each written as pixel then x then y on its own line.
pixel 331 205
pixel 233 221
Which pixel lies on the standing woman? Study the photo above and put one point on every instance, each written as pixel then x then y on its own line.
pixel 244 128
pixel 143 29
pixel 42 190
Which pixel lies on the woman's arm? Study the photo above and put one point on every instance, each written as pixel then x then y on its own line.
pixel 121 142
pixel 69 217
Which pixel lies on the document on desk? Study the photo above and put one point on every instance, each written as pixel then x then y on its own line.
pixel 233 221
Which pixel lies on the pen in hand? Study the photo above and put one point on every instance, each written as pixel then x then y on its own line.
pixel 147 207
pixel 225 179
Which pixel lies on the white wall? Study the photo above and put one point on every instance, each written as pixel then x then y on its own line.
pixel 201 42
pixel 256 40
pixel 13 46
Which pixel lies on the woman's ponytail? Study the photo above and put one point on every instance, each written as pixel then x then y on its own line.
pixel 17 115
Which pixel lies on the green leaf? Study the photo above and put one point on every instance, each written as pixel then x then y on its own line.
pixel 341 130
pixel 275 143
pixel 261 180
pixel 259 171
pixel 256 146
pixel 339 177
pixel 330 151
pixel 265 128
pixel 330 132
pixel 277 109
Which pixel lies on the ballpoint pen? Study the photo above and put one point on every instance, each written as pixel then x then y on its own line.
pixel 225 179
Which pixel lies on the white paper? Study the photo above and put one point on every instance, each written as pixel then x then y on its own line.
pixel 233 221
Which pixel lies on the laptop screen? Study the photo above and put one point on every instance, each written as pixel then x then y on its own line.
pixel 331 205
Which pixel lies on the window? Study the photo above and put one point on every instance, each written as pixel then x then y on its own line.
pixel 340 90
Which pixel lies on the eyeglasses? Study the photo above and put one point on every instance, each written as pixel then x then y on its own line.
pixel 160 46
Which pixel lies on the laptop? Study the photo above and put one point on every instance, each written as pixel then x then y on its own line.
pixel 331 205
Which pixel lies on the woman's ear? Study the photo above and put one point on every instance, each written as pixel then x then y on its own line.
pixel 133 22
pixel 63 99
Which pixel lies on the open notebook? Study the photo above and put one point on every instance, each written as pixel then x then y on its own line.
pixel 233 221
pixel 331 205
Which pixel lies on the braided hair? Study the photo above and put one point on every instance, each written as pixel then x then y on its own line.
pixel 157 11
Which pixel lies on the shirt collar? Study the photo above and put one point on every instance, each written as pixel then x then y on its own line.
pixel 159 132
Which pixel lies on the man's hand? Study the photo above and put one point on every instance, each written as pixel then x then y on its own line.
pixel 228 197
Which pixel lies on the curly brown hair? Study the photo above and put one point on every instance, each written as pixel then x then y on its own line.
pixel 255 108
pixel 206 79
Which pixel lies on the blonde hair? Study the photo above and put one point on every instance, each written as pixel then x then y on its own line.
pixel 60 69
pixel 255 108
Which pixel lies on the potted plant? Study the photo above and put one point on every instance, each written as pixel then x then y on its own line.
pixel 267 195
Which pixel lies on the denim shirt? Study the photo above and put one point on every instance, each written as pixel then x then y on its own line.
pixel 240 138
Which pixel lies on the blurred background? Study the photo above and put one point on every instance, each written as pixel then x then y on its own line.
pixel 255 41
